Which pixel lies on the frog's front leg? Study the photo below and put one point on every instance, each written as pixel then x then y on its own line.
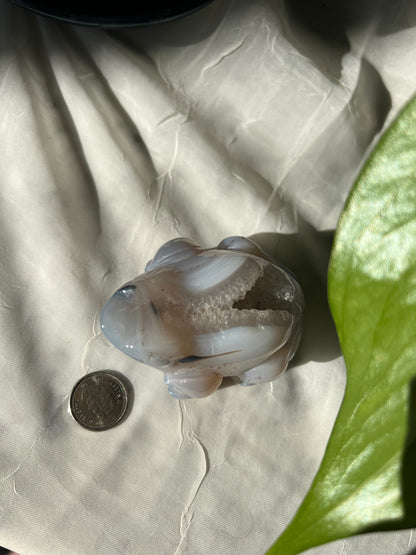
pixel 186 384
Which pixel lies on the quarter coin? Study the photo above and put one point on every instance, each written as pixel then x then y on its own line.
pixel 99 400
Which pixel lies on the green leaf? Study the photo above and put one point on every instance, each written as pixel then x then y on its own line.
pixel 367 479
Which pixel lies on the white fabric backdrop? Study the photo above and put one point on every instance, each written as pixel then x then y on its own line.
pixel 250 118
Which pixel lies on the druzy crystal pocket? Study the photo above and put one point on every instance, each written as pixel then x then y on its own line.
pixel 200 315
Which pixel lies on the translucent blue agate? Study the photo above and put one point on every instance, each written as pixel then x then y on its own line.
pixel 202 314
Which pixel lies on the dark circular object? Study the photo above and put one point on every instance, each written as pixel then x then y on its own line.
pixel 123 13
pixel 99 400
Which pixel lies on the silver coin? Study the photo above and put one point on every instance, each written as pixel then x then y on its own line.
pixel 99 400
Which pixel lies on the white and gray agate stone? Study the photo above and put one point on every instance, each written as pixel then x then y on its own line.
pixel 200 315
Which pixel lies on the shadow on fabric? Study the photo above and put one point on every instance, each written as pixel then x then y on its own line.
pixel 408 476
pixel 398 16
pixel 319 30
pixel 306 254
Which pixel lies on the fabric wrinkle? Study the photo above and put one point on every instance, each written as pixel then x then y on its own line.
pixel 187 433
pixel 223 56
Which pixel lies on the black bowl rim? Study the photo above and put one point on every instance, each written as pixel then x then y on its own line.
pixel 133 19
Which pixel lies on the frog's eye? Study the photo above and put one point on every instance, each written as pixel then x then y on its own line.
pixel 126 291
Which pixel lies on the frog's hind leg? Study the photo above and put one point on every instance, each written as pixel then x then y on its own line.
pixel 192 384
pixel 265 372
pixel 274 366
